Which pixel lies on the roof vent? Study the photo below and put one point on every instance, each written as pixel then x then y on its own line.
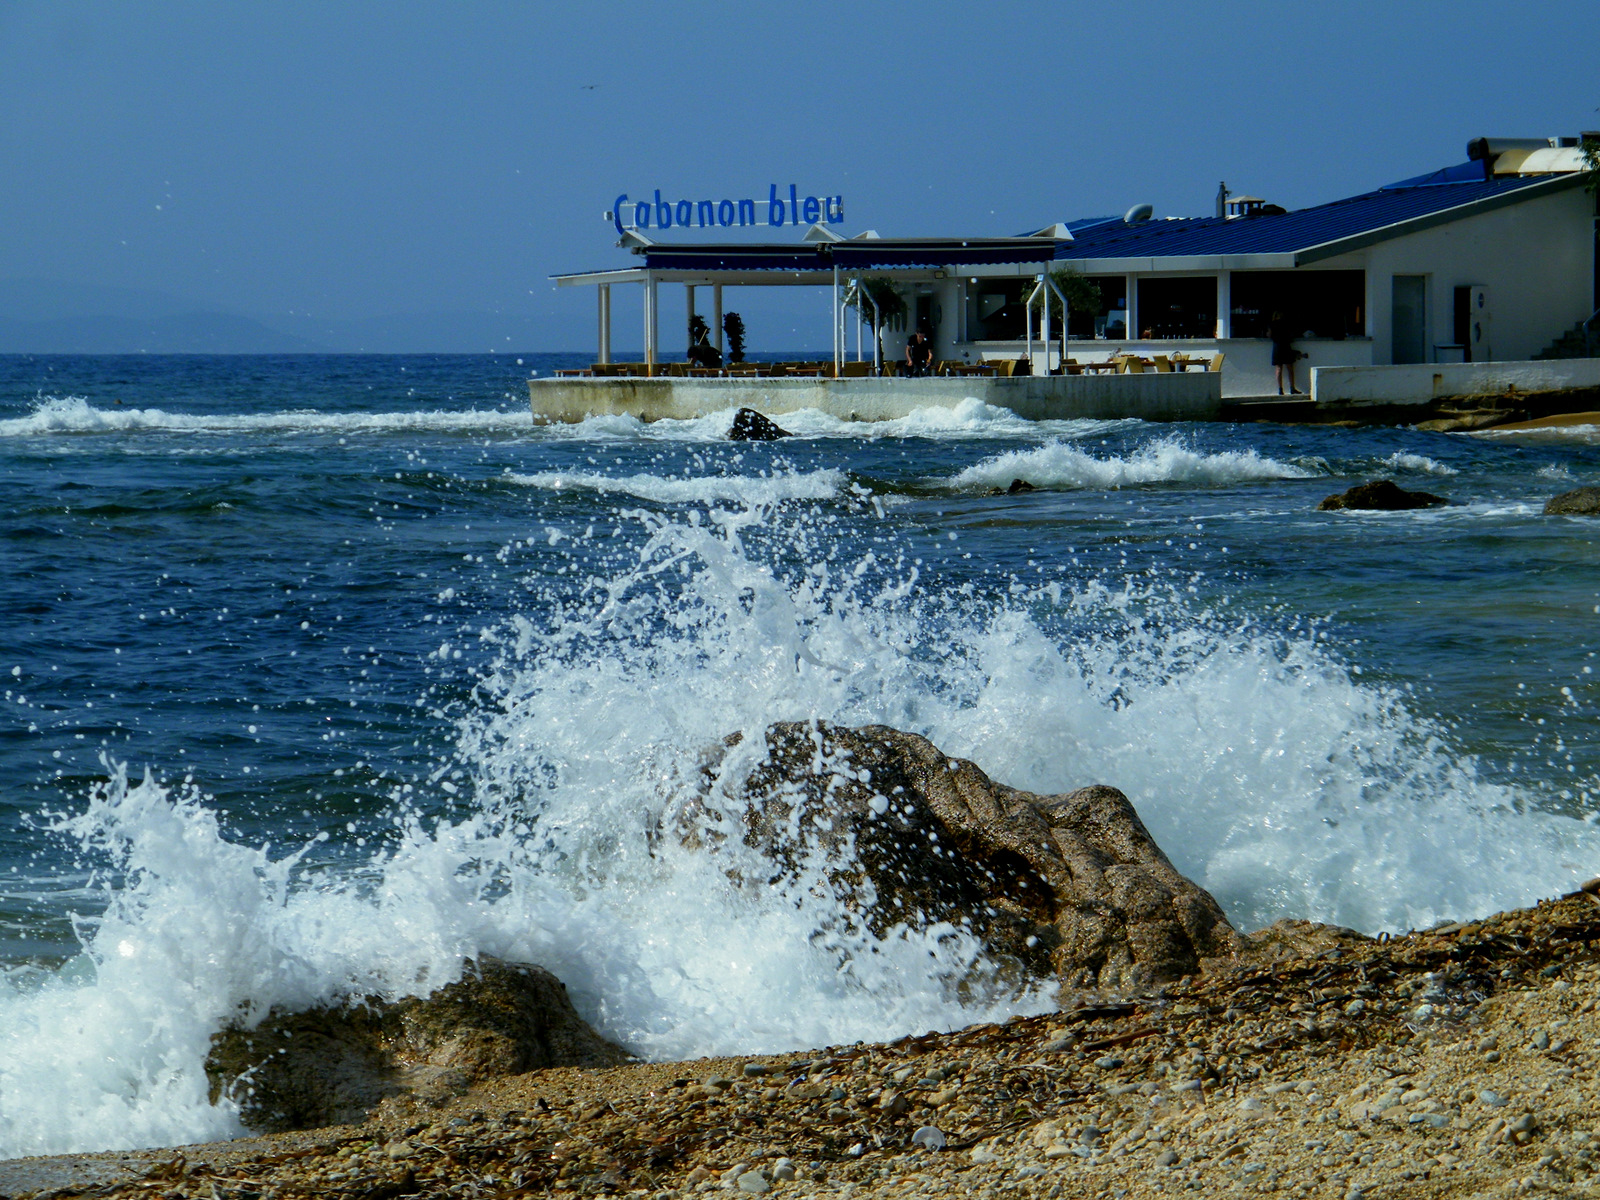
pixel 1138 214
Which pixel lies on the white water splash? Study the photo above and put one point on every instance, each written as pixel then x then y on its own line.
pixel 1261 763
pixel 773 488
pixel 75 415
pixel 1160 460
pixel 1421 463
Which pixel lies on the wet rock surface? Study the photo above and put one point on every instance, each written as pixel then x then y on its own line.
pixel 1316 1076
pixel 1382 495
pixel 333 1065
pixel 1070 886
pixel 751 426
pixel 1584 501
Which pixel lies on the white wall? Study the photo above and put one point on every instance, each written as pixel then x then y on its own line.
pixel 1421 383
pixel 1536 258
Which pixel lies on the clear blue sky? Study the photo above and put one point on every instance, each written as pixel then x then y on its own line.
pixel 360 160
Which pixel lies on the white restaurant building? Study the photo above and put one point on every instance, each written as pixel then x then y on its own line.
pixel 1493 259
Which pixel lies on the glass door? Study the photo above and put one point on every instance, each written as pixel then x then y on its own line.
pixel 1409 319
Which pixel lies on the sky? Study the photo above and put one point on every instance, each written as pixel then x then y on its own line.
pixel 409 175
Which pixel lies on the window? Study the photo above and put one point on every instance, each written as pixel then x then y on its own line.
pixel 994 310
pixel 1178 308
pixel 1319 304
pixel 1112 300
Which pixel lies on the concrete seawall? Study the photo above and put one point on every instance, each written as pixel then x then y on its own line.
pixel 1176 396
pixel 1431 384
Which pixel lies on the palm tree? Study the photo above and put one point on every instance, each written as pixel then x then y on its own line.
pixel 733 326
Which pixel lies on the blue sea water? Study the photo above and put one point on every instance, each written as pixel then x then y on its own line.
pixel 322 672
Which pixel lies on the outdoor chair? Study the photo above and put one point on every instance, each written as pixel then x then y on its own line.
pixel 1216 361
pixel 1163 363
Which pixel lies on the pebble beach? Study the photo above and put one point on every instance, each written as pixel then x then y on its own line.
pixel 1454 1062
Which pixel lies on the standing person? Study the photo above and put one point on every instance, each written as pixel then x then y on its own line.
pixel 919 355
pixel 1283 352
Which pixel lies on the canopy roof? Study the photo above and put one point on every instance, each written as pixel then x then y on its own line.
pixel 808 260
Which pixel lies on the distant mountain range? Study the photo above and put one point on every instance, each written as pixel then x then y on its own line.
pixel 51 317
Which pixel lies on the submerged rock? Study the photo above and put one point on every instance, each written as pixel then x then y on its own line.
pixel 1584 501
pixel 751 426
pixel 1381 494
pixel 1070 886
pixel 331 1065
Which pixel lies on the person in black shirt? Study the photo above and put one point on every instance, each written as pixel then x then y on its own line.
pixel 919 355
pixel 1283 352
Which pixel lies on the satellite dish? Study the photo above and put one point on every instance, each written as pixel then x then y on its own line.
pixel 1138 214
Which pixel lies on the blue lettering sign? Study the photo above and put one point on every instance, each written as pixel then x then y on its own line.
pixel 662 213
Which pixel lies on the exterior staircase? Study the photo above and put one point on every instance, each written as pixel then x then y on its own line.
pixel 1581 341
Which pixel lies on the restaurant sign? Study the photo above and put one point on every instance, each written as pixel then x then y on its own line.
pixel 793 209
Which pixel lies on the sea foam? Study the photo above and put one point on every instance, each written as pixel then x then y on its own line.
pixel 76 415
pixel 773 488
pixel 1058 464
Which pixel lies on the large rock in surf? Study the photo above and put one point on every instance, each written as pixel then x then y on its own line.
pixel 1070 886
pixel 1580 502
pixel 751 426
pixel 1383 495
pixel 332 1065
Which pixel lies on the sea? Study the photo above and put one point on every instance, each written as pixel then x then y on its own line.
pixel 323 673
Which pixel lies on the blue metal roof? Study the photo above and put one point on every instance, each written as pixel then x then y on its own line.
pixel 1293 232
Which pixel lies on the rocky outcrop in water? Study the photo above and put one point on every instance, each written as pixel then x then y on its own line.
pixel 1070 886
pixel 332 1065
pixel 751 426
pixel 1382 495
pixel 1580 502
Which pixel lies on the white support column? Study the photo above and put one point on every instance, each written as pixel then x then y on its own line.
pixel 652 327
pixel 604 291
pixel 836 322
pixel 716 316
pixel 1044 329
pixel 1224 305
pixel 1131 286
pixel 688 293
pixel 1027 324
